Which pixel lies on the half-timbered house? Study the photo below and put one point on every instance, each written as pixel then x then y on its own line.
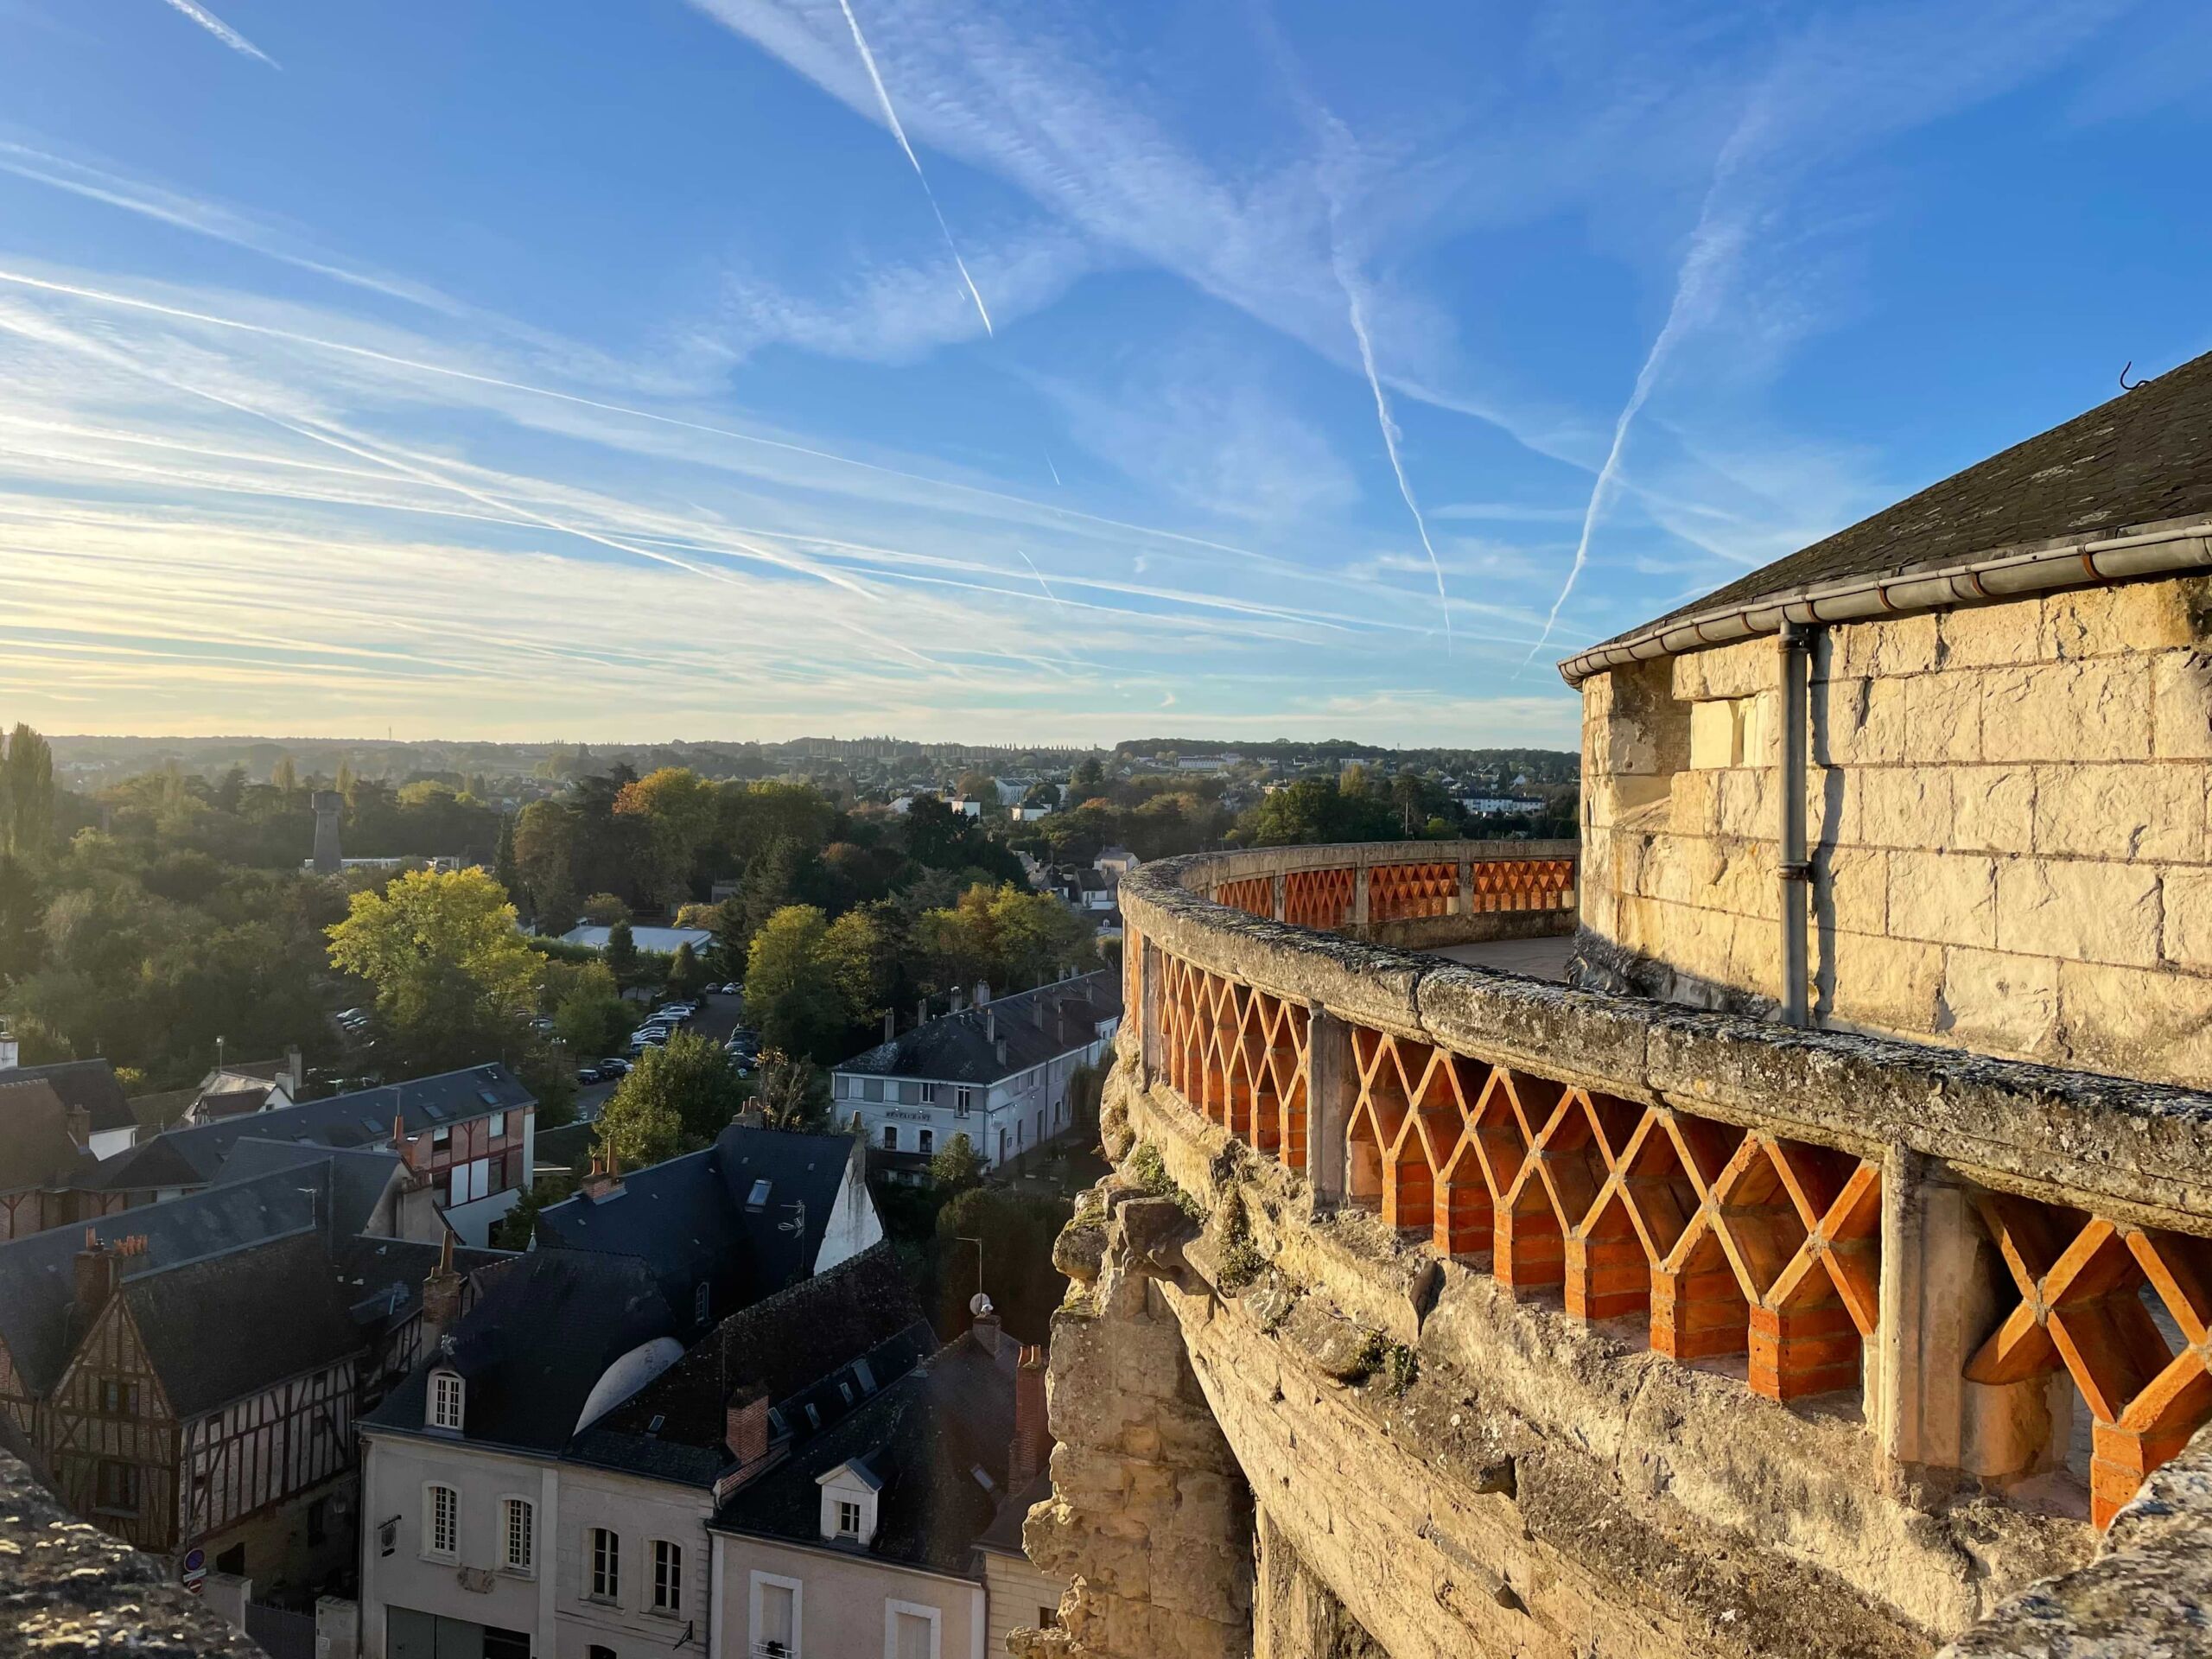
pixel 467 1138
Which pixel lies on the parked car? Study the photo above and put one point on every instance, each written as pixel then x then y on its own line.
pixel 614 1066
pixel 588 1074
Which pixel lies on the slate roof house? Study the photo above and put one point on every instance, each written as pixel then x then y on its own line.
pixel 188 1373
pixel 44 1146
pixel 756 1211
pixel 467 1137
pixel 997 1072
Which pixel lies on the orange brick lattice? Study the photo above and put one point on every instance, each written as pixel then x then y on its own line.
pixel 1397 892
pixel 1255 893
pixel 2081 1278
pixel 1728 1241
pixel 1238 1055
pixel 1523 884
pixel 1319 898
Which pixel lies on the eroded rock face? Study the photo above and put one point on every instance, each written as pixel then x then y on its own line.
pixel 1299 1436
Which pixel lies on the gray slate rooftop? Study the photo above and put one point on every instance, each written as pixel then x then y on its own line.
pixel 960 1048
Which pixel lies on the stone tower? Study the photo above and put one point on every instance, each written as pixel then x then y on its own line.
pixel 328 803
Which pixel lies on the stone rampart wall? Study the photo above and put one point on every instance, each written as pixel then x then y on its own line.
pixel 2007 811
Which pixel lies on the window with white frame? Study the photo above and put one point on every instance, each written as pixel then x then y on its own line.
pixel 848 1518
pixel 963 1100
pixel 925 1141
pixel 448 1394
pixel 498 1122
pixel 605 1551
pixel 929 1094
pixel 517 1534
pixel 668 1577
pixel 778 1606
pixel 844 1086
pixel 910 1631
pixel 441 1522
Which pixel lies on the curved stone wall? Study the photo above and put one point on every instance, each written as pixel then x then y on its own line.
pixel 1567 1312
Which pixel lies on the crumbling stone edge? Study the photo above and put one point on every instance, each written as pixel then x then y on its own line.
pixel 66 1587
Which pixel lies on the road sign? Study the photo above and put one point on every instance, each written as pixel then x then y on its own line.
pixel 195 1569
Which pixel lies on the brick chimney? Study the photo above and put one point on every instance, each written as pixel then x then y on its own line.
pixel 1032 1440
pixel 605 1181
pixel 440 1298
pixel 96 1276
pixel 745 1425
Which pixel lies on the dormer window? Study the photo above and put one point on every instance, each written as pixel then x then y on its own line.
pixel 447 1395
pixel 849 1519
pixel 849 1504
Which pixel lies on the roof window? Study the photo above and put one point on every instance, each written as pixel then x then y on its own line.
pixel 758 1198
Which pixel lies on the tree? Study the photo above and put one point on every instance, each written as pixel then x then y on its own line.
pixel 635 1130
pixel 790 1094
pixel 862 960
pixel 432 932
pixel 285 778
pixel 680 811
pixel 791 994
pixel 957 1167
pixel 27 792
pixel 604 910
pixel 590 1017
pixel 685 975
pixel 515 1230
pixel 1088 782
pixel 621 953
pixel 1016 1235
pixel 545 855
pixel 690 1079
pixel 978 785
pixel 504 870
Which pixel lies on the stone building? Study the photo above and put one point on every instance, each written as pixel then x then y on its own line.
pixel 1818 1263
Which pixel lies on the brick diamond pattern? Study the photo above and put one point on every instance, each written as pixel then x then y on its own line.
pixel 1238 1055
pixel 1523 884
pixel 1254 895
pixel 1319 898
pixel 1727 1240
pixel 2081 1279
pixel 1399 892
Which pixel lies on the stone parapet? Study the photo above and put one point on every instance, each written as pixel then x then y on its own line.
pixel 67 1588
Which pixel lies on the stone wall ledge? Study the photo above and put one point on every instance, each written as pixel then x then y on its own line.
pixel 2135 1151
pixel 2148 1595
pixel 1745 1525
pixel 67 1588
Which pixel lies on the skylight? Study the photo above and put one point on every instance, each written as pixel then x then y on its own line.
pixel 758 1198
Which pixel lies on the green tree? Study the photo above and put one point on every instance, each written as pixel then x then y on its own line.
pixel 789 1094
pixel 285 778
pixel 515 1230
pixel 957 1167
pixel 504 870
pixel 591 1019
pixel 862 959
pixel 689 1078
pixel 1088 782
pixel 791 994
pixel 685 973
pixel 634 1130
pixel 621 953
pixel 604 909
pixel 432 932
pixel 27 792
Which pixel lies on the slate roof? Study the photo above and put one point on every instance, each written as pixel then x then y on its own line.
pixel 219 1329
pixel 357 1179
pixel 1003 1536
pixel 36 1150
pixel 38 1321
pixel 2144 457
pixel 191 1155
pixel 923 1437
pixel 830 1341
pixel 92 1084
pixel 545 1327
pixel 693 1219
pixel 960 1048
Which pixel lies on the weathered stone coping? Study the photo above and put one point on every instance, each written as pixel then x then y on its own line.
pixel 1210 868
pixel 69 1588
pixel 2148 1595
pixel 2133 1150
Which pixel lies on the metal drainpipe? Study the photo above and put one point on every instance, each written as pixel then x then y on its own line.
pixel 1796 873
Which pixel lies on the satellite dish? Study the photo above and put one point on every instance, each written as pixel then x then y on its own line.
pixel 979 1305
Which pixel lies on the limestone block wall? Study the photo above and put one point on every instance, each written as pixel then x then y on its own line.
pixel 2008 814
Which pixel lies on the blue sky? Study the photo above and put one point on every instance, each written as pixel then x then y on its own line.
pixel 652 369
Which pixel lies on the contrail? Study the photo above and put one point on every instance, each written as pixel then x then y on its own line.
pixel 1053 470
pixel 1345 281
pixel 898 131
pixel 222 31
pixel 106 296
pixel 1041 583
pixel 1711 247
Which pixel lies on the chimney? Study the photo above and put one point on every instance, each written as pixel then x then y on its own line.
pixel 982 992
pixel 297 1067
pixel 890 1024
pixel 954 999
pixel 440 1298
pixel 991 1024
pixel 79 1121
pixel 986 1330
pixel 1037 1010
pixel 745 1425
pixel 605 1181
pixel 11 1054
pixel 1032 1440
pixel 922 1012
pixel 400 1143
pixel 96 1276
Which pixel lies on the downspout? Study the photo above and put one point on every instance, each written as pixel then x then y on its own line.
pixel 1795 873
